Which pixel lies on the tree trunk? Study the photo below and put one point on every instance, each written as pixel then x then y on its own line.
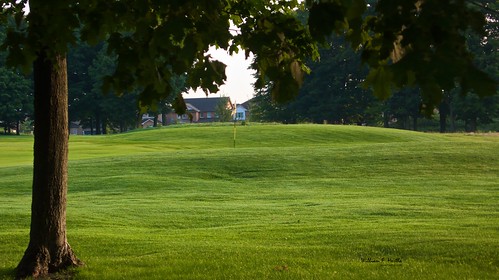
pixel 443 123
pixel 444 109
pixel 48 250
pixel 386 119
pixel 473 124
pixel 163 119
pixel 452 117
pixel 97 123
pixel 443 112
pixel 138 123
pixel 91 126
pixel 104 126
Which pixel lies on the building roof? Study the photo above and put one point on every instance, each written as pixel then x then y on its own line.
pixel 191 108
pixel 207 104
pixel 147 119
pixel 74 124
pixel 247 104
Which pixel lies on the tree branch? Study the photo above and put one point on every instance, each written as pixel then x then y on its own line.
pixel 482 6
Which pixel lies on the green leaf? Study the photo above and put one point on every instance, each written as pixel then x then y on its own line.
pixel 355 8
pixel 179 105
pixel 380 80
pixel 431 94
pixel 478 82
pixel 324 18
pixel 285 89
pixel 297 72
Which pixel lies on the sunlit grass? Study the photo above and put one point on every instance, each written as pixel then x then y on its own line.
pixel 290 202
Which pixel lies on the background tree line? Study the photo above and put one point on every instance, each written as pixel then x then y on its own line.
pixel 334 93
pixel 16 95
pixel 87 66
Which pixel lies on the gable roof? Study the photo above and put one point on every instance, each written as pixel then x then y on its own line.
pixel 73 124
pixel 191 108
pixel 207 104
pixel 247 104
pixel 147 119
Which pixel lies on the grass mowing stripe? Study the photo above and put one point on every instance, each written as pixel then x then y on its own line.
pixel 293 202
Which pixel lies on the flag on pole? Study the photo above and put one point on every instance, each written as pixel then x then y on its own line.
pixel 234 114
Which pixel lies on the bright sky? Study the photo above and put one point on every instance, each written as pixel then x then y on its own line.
pixel 239 83
pixel 239 78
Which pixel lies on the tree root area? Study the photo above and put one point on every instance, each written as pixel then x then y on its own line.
pixel 40 263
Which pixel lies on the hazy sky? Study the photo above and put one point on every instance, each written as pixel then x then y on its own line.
pixel 239 79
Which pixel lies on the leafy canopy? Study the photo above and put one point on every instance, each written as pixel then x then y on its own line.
pixel 404 42
pixel 154 40
pixel 409 42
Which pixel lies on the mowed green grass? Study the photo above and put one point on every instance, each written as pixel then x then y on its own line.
pixel 289 202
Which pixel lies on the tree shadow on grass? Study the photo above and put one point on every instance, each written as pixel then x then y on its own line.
pixel 8 273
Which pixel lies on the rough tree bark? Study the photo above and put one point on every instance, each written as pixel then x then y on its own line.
pixel 48 250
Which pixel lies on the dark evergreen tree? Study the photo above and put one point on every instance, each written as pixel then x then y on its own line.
pixel 471 108
pixel 332 93
pixel 405 107
pixel 16 94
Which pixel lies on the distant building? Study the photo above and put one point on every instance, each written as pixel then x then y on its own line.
pixel 75 128
pixel 242 112
pixel 147 122
pixel 199 110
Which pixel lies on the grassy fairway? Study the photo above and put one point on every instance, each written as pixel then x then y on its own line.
pixel 290 202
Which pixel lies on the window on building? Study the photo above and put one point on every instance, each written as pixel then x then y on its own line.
pixel 239 115
pixel 208 115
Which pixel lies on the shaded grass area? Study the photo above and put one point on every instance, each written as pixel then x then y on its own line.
pixel 291 202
